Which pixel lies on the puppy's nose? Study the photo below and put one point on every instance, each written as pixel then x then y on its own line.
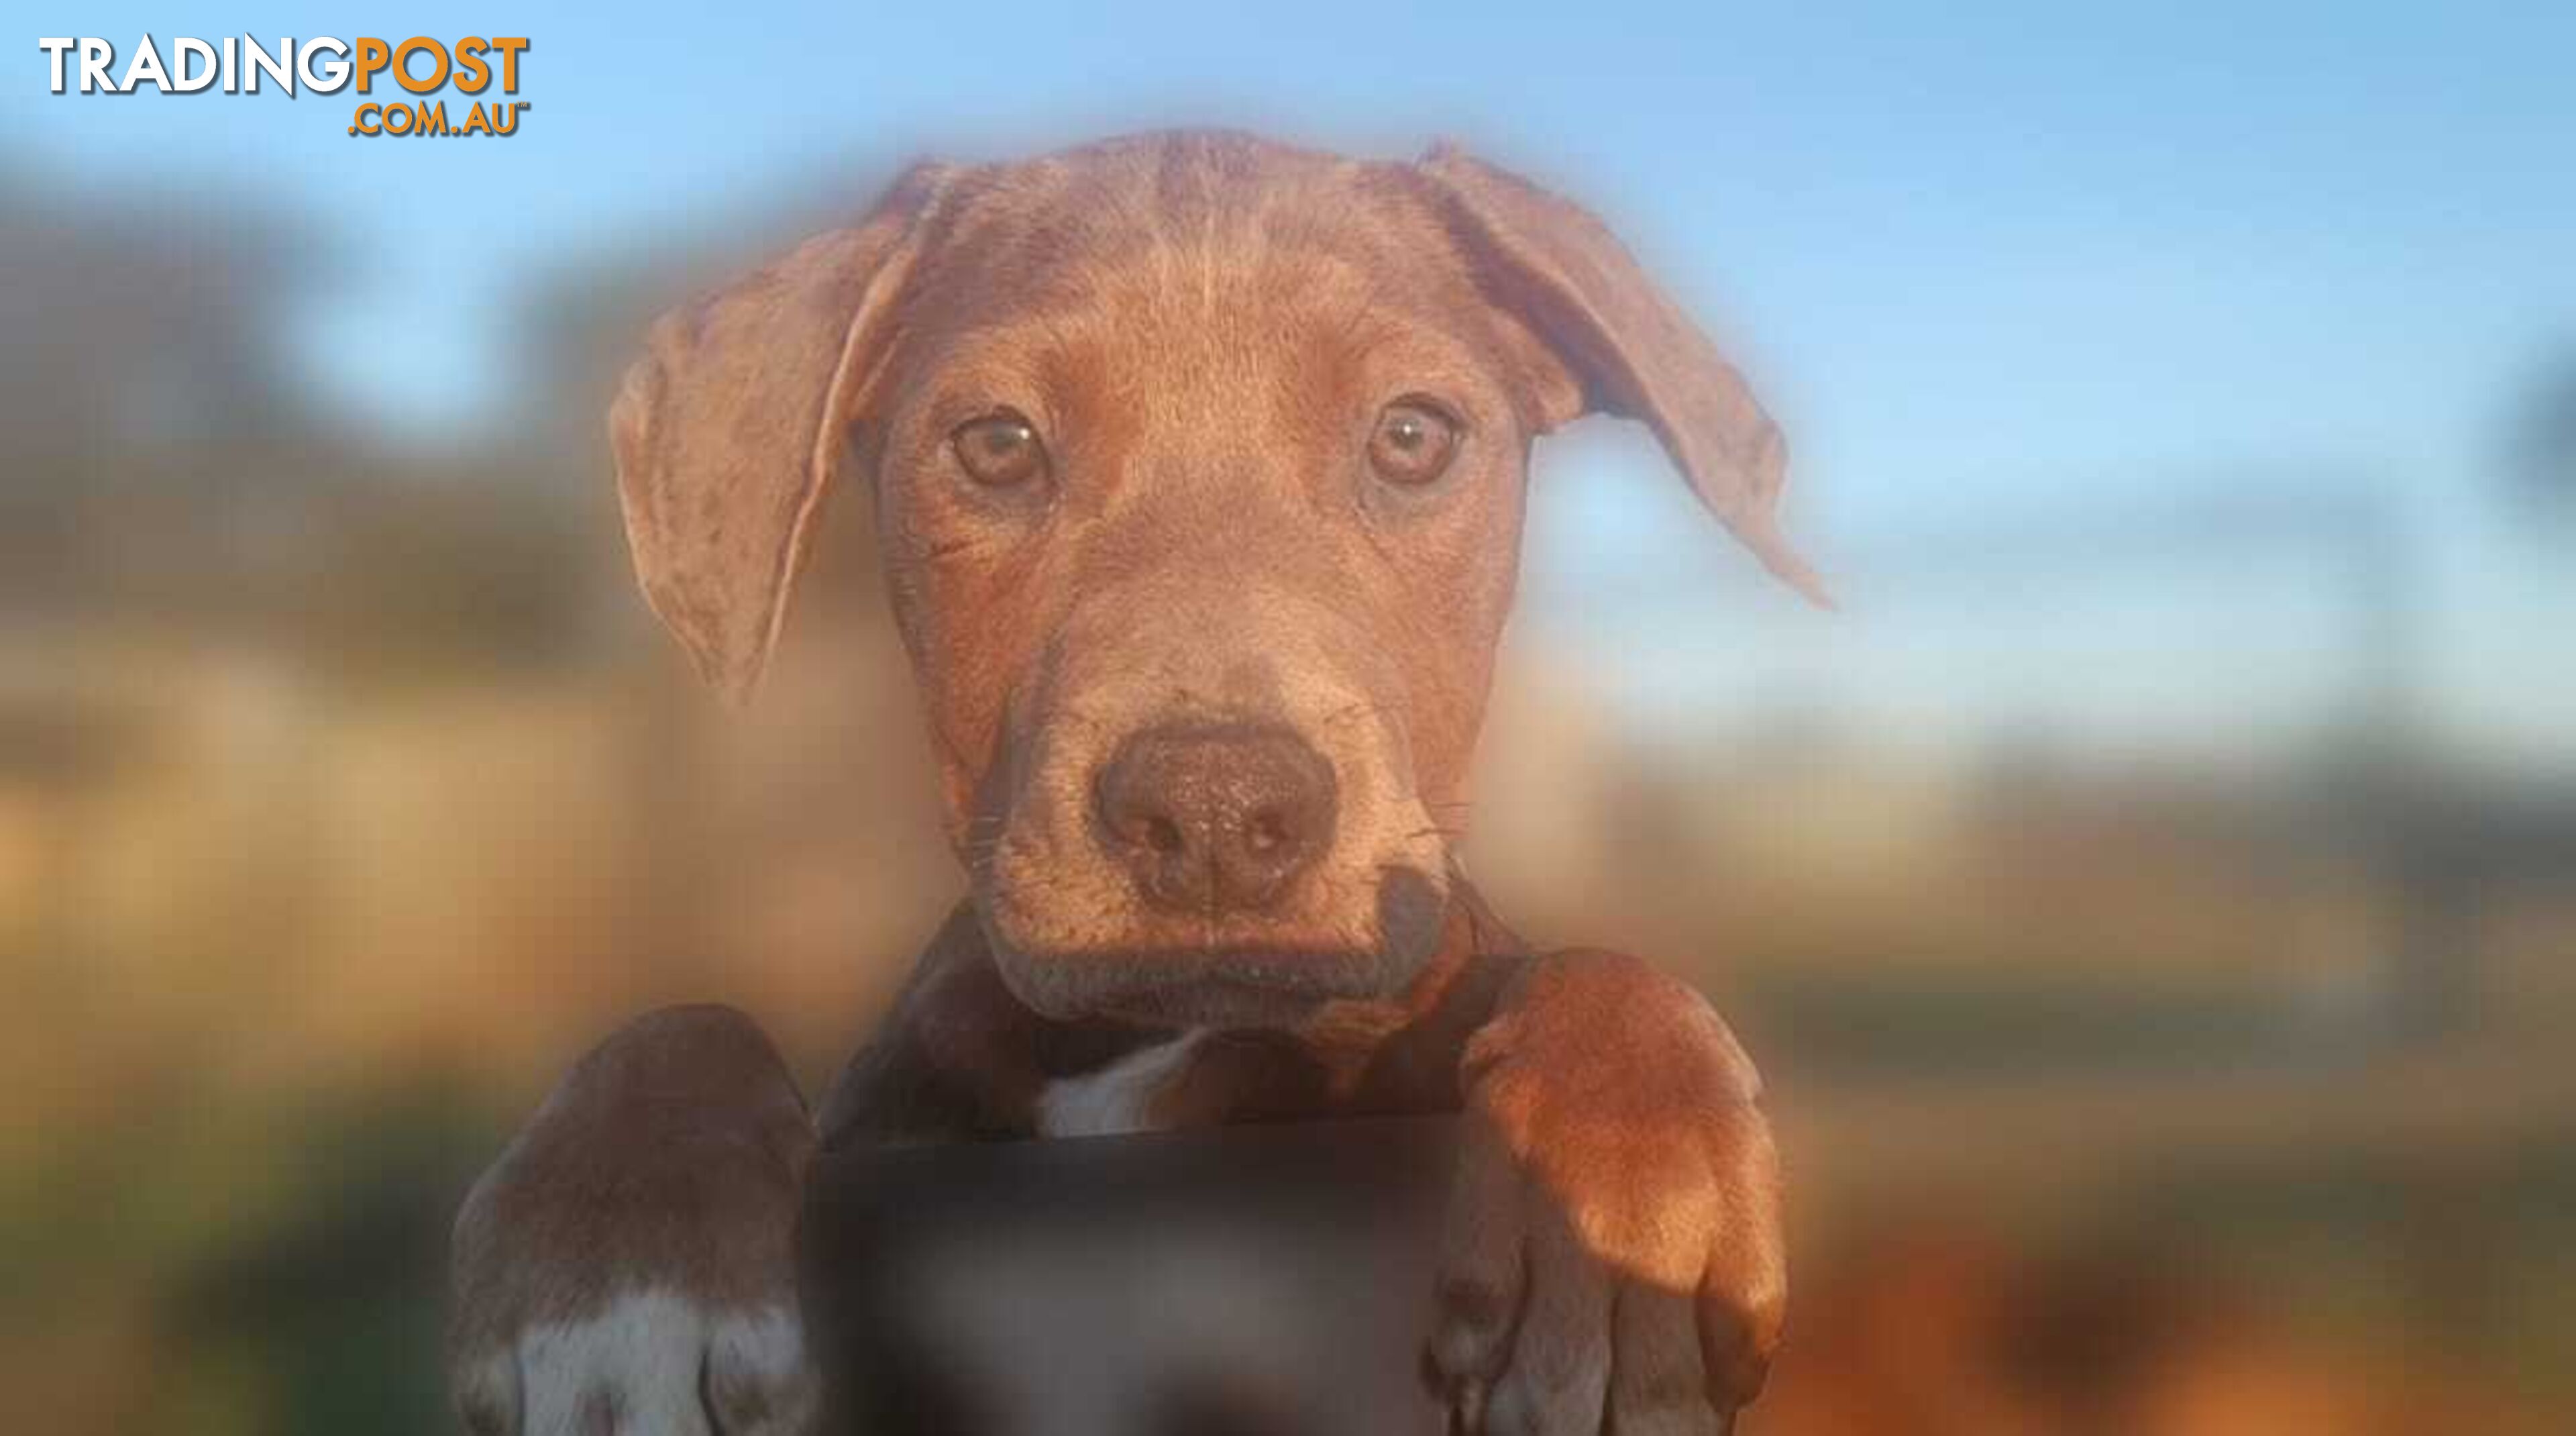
pixel 1216 817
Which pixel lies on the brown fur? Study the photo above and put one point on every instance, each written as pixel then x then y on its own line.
pixel 1202 330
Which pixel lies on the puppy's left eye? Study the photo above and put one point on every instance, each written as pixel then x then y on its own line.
pixel 1000 450
pixel 1413 442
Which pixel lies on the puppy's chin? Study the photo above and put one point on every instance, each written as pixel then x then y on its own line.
pixel 1238 982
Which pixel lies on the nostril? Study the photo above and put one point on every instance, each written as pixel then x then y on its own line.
pixel 1266 831
pixel 1162 835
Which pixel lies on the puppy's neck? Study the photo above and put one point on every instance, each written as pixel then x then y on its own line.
pixel 1350 1057
pixel 960 1057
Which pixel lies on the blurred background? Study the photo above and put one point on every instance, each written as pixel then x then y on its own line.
pixel 2154 898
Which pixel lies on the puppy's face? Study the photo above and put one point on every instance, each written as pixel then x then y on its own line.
pixel 1201 501
pixel 1199 468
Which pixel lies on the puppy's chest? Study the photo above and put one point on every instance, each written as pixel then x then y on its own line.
pixel 1202 1077
pixel 1130 1093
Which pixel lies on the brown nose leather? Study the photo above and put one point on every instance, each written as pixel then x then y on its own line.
pixel 1215 817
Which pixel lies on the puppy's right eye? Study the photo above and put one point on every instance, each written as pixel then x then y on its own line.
pixel 1413 442
pixel 1000 450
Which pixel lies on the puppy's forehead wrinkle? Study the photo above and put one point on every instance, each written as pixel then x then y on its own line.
pixel 1192 215
pixel 1268 312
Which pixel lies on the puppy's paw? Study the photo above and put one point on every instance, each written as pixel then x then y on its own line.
pixel 647 1361
pixel 626 1266
pixel 1614 1259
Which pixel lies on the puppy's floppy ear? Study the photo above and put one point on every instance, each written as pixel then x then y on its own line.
pixel 1630 349
pixel 728 431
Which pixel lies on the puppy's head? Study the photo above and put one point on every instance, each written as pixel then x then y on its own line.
pixel 1198 463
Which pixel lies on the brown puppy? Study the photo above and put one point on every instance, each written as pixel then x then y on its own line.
pixel 1199 466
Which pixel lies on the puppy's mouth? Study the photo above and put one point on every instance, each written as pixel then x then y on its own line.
pixel 1167 854
pixel 1219 976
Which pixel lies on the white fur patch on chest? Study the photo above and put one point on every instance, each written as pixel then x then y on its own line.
pixel 1119 1097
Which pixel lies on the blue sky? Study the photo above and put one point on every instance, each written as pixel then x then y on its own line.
pixel 2027 260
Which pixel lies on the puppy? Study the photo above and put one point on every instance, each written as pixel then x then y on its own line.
pixel 1199 466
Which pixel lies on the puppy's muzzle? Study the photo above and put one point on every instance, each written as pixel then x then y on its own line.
pixel 1215 818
